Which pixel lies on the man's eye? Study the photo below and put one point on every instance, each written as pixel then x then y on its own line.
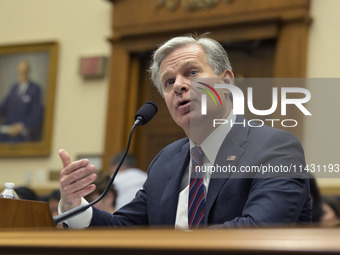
pixel 169 82
pixel 193 73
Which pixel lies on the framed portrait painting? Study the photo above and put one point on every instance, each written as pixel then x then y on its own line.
pixel 27 93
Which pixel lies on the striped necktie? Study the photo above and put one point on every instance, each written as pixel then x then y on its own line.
pixel 196 203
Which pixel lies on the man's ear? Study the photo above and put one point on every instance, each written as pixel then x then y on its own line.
pixel 228 76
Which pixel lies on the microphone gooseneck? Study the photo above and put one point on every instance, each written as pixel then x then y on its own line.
pixel 143 116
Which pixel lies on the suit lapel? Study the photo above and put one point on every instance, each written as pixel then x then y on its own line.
pixel 28 89
pixel 170 195
pixel 15 96
pixel 231 146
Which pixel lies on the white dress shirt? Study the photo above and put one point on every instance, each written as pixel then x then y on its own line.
pixel 22 88
pixel 210 147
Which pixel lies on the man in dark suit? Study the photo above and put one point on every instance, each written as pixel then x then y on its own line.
pixel 178 191
pixel 21 112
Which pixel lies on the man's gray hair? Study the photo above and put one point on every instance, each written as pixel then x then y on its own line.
pixel 216 56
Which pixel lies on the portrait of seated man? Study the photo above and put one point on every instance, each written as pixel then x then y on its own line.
pixel 21 111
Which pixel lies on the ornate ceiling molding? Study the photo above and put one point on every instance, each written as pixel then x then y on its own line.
pixel 188 5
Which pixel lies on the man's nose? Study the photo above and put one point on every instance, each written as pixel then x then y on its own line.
pixel 181 85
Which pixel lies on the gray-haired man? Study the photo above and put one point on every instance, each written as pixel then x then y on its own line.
pixel 173 195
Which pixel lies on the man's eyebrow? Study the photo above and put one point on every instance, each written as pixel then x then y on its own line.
pixel 184 65
pixel 164 74
pixel 191 63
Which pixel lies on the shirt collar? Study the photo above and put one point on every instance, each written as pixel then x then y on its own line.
pixel 213 142
pixel 22 88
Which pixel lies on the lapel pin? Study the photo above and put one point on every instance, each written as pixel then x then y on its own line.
pixel 231 158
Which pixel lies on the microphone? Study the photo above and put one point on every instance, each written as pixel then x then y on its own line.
pixel 143 116
pixel 145 113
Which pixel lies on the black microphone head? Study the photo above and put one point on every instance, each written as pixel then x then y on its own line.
pixel 146 113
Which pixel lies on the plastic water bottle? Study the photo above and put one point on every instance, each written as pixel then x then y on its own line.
pixel 9 191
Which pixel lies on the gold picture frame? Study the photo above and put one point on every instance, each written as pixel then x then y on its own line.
pixel 41 60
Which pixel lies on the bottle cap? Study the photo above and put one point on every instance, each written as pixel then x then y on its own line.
pixel 9 185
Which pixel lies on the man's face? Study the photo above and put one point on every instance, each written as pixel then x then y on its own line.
pixel 22 71
pixel 176 71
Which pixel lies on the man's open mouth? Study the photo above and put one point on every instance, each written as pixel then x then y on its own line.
pixel 184 102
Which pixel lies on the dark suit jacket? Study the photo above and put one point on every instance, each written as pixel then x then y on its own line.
pixel 233 200
pixel 26 109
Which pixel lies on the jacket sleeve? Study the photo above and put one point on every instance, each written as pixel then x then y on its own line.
pixel 4 105
pixel 134 213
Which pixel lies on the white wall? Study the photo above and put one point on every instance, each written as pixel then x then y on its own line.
pixel 321 134
pixel 81 27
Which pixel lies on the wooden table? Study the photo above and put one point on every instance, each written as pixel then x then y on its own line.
pixel 162 241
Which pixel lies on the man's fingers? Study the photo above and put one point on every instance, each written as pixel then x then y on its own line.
pixel 65 158
pixel 75 180
pixel 75 172
pixel 71 167
pixel 79 184
pixel 83 192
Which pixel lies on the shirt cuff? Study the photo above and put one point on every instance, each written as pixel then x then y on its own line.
pixel 5 129
pixel 80 221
